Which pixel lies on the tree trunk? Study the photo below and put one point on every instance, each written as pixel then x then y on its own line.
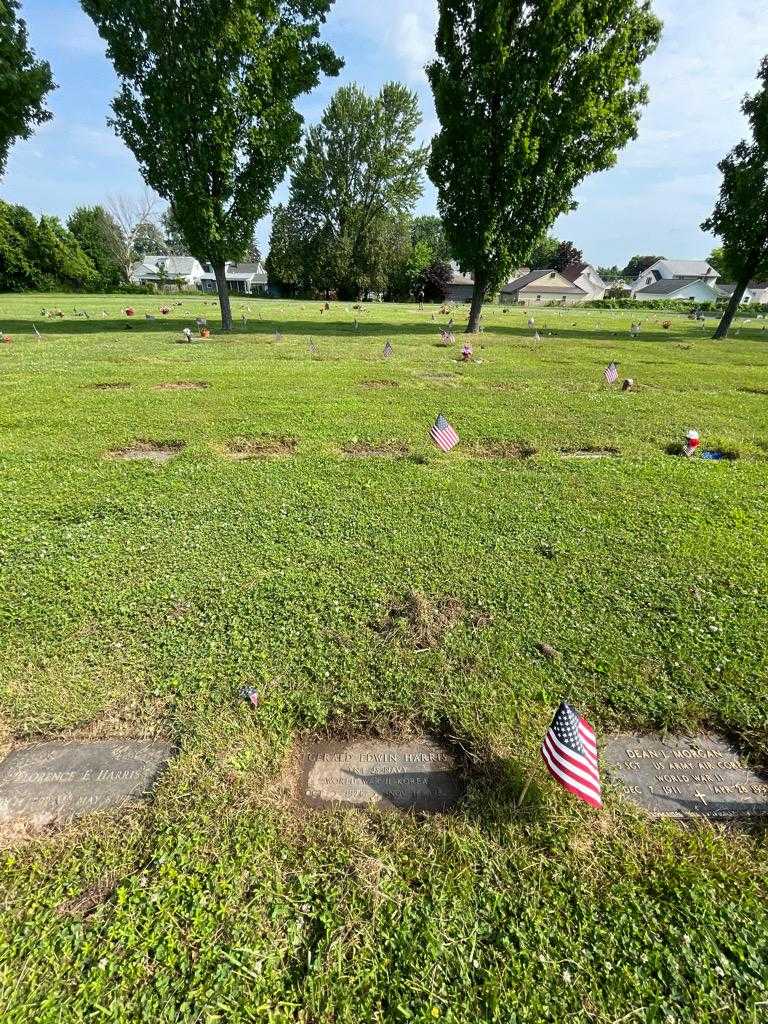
pixel 478 297
pixel 220 272
pixel 730 312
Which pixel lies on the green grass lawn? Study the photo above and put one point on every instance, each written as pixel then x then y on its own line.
pixel 137 598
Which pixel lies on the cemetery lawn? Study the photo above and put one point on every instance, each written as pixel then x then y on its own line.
pixel 137 598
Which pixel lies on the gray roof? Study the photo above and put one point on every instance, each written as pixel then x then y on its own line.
pixel 535 280
pixel 668 286
pixel 686 268
pixel 253 272
pixel 173 266
pixel 459 277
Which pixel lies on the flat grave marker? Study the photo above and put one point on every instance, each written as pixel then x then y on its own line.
pixel 417 775
pixel 679 776
pixel 53 783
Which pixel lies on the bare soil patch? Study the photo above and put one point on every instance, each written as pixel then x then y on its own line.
pixel 90 898
pixel 183 385
pixel 375 385
pixel 150 451
pixel 378 449
pixel 502 450
pixel 589 453
pixel 421 622
pixel 260 448
pixel 110 385
pixel 754 391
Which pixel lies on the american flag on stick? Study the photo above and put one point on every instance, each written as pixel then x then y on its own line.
pixel 312 347
pixel 37 333
pixel 570 753
pixel 388 350
pixel 443 434
pixel 611 373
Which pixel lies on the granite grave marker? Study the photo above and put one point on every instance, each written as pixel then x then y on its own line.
pixel 417 775
pixel 678 776
pixel 52 783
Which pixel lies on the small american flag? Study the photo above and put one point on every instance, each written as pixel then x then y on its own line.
pixel 249 694
pixel 388 350
pixel 570 753
pixel 611 373
pixel 37 333
pixel 312 347
pixel 278 337
pixel 443 434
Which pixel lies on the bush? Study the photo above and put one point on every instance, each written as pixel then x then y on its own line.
pixel 672 306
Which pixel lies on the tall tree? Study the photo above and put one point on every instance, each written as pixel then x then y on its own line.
pixel 359 174
pixel 206 104
pixel 638 264
pixel 740 217
pixel 429 229
pixel 24 82
pixel 131 214
pixel 543 252
pixel 100 239
pixel 532 96
pixel 566 256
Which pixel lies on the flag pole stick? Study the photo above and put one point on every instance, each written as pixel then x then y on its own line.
pixel 525 787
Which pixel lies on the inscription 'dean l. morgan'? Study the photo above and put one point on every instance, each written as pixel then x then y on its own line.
pixel 48 783
pixel 418 775
pixel 683 775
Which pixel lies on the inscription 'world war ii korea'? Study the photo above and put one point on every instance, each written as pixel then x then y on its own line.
pixel 48 783
pixel 418 775
pixel 684 775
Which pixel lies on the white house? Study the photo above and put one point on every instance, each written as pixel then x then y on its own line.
pixel 161 271
pixel 692 289
pixel 756 293
pixel 242 278
pixel 586 277
pixel 462 286
pixel 540 288
pixel 676 270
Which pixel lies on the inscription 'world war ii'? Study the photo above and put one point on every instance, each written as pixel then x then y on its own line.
pixel 684 775
pixel 48 783
pixel 418 775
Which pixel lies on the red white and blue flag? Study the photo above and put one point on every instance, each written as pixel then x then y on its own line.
pixel 388 350
pixel 611 373
pixel 570 753
pixel 443 434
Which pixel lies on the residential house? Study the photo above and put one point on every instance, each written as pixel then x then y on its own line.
pixel 541 288
pixel 756 293
pixel 586 277
pixel 242 278
pixel 461 286
pixel 676 270
pixel 167 272
pixel 682 289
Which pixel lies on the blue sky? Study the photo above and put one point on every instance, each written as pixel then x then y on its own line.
pixel 663 186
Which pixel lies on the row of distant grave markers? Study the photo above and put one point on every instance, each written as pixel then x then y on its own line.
pixel 44 784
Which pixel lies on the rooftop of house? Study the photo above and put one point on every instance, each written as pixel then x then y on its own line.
pixel 544 281
pixel 685 268
pixel 172 266
pixel 667 286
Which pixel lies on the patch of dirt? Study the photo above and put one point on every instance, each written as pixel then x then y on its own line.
pixel 150 451
pixel 375 385
pixel 183 385
pixel 112 385
pixel 421 622
pixel 754 391
pixel 89 899
pixel 260 448
pixel 502 450
pixel 381 449
pixel 589 453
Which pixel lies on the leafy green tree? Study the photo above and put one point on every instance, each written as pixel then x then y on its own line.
pixel 435 281
pixel 358 176
pixel 543 253
pixel 429 229
pixel 24 82
pixel 532 97
pixel 609 274
pixel 740 216
pixel 99 237
pixel 206 104
pixel 59 257
pixel 566 256
pixel 18 269
pixel 638 264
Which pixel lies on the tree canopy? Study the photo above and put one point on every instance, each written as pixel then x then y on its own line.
pixel 206 104
pixel 566 255
pixel 24 82
pixel 637 264
pixel 740 216
pixel 354 183
pixel 531 97
pixel 100 239
pixel 41 255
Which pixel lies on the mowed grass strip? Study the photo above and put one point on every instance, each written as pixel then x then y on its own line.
pixel 136 598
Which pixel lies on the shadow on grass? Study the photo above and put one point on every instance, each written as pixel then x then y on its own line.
pixel 266 328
